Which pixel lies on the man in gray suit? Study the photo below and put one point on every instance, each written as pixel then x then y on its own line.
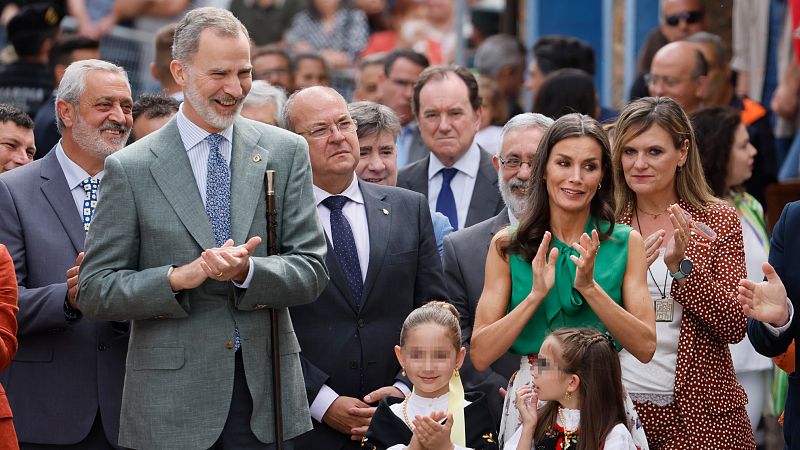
pixel 464 258
pixel 65 382
pixel 383 263
pixel 401 70
pixel 176 249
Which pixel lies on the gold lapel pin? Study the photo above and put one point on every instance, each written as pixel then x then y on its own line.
pixel 385 212
pixel 256 157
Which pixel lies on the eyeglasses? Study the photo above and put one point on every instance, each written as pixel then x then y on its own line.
pixel 324 131
pixel 515 163
pixel 689 16
pixel 653 80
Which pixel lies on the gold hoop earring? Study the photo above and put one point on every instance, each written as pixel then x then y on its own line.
pixel 567 395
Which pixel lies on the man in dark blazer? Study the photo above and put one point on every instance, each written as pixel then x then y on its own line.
pixel 464 258
pixel 457 177
pixel 383 263
pixel 65 383
pixel 772 305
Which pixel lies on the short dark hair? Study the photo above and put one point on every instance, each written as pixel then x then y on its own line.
pixel 714 131
pixel 439 73
pixel 415 57
pixel 155 105
pixel 566 91
pixel 310 55
pixel 66 44
pixel 10 113
pixel 272 49
pixel 555 52
pixel 700 64
pixel 165 37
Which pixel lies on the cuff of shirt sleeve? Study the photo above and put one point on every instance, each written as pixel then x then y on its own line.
pixel 403 388
pixel 777 331
pixel 246 283
pixel 324 399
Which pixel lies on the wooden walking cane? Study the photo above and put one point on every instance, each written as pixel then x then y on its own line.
pixel 272 249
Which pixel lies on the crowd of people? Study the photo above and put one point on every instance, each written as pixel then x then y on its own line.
pixel 323 235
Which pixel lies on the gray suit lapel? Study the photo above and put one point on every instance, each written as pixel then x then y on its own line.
pixel 379 223
pixel 248 164
pixel 57 193
pixel 485 192
pixel 173 174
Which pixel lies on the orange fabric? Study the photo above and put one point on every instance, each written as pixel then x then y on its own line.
pixel 752 111
pixel 786 360
pixel 8 341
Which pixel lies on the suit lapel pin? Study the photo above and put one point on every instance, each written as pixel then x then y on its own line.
pixel 385 212
pixel 256 157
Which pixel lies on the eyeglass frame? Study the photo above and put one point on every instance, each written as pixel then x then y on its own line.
pixel 519 162
pixel 690 17
pixel 327 129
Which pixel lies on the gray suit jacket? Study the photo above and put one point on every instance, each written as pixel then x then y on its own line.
pixel 63 372
pixel 486 200
pixel 464 262
pixel 350 349
pixel 180 363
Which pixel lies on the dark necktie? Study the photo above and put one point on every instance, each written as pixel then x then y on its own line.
pixel 446 202
pixel 218 202
pixel 344 245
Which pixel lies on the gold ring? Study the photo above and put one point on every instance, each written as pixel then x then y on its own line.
pixel 219 275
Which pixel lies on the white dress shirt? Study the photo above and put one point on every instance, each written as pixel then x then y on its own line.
pixel 356 214
pixel 75 175
pixel 462 184
pixel 197 149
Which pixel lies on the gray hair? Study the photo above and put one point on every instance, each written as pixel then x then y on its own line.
pixel 497 52
pixel 286 116
pixel 73 84
pixel 704 37
pixel 187 34
pixel 262 93
pixel 373 118
pixel 524 120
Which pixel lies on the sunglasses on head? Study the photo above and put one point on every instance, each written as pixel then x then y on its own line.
pixel 688 16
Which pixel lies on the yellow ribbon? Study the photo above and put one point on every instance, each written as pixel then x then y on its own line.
pixel 455 406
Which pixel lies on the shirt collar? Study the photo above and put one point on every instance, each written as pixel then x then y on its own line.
pixel 512 219
pixel 72 171
pixel 468 164
pixel 353 192
pixel 192 134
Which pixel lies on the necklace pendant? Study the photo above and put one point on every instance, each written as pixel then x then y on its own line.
pixel 566 443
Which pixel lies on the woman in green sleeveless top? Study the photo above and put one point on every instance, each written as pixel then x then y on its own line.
pixel 567 264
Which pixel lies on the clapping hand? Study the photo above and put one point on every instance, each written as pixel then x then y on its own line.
pixel 72 281
pixel 544 268
pixel 676 247
pixel 652 245
pixel 431 434
pixel 587 248
pixel 229 262
pixel 765 301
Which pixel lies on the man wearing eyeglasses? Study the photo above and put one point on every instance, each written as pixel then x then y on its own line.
pixel 273 65
pixel 401 70
pixel 464 259
pixel 679 71
pixel 383 263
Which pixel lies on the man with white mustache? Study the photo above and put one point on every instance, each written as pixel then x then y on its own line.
pixel 65 383
pixel 464 257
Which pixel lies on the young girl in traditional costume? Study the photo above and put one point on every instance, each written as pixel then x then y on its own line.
pixel 437 415
pixel 576 401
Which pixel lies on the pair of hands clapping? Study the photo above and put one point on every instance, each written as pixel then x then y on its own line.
pixel 543 265
pixel 430 434
pixel 224 263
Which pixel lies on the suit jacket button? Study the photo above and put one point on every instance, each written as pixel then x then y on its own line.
pixel 102 347
pixel 353 365
pixel 229 344
pixel 361 323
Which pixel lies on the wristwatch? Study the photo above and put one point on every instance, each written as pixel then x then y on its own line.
pixel 684 269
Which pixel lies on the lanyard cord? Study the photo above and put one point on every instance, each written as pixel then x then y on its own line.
pixel 662 292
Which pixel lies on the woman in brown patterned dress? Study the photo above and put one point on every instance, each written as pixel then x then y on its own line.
pixel 687 396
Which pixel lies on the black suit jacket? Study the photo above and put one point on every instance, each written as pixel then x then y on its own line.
pixel 486 201
pixel 785 243
pixel 351 350
pixel 464 264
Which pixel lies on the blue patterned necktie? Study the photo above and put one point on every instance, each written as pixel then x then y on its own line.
pixel 344 245
pixel 90 186
pixel 218 202
pixel 446 202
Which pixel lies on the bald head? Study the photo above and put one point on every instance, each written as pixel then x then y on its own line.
pixel 679 71
pixel 681 18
